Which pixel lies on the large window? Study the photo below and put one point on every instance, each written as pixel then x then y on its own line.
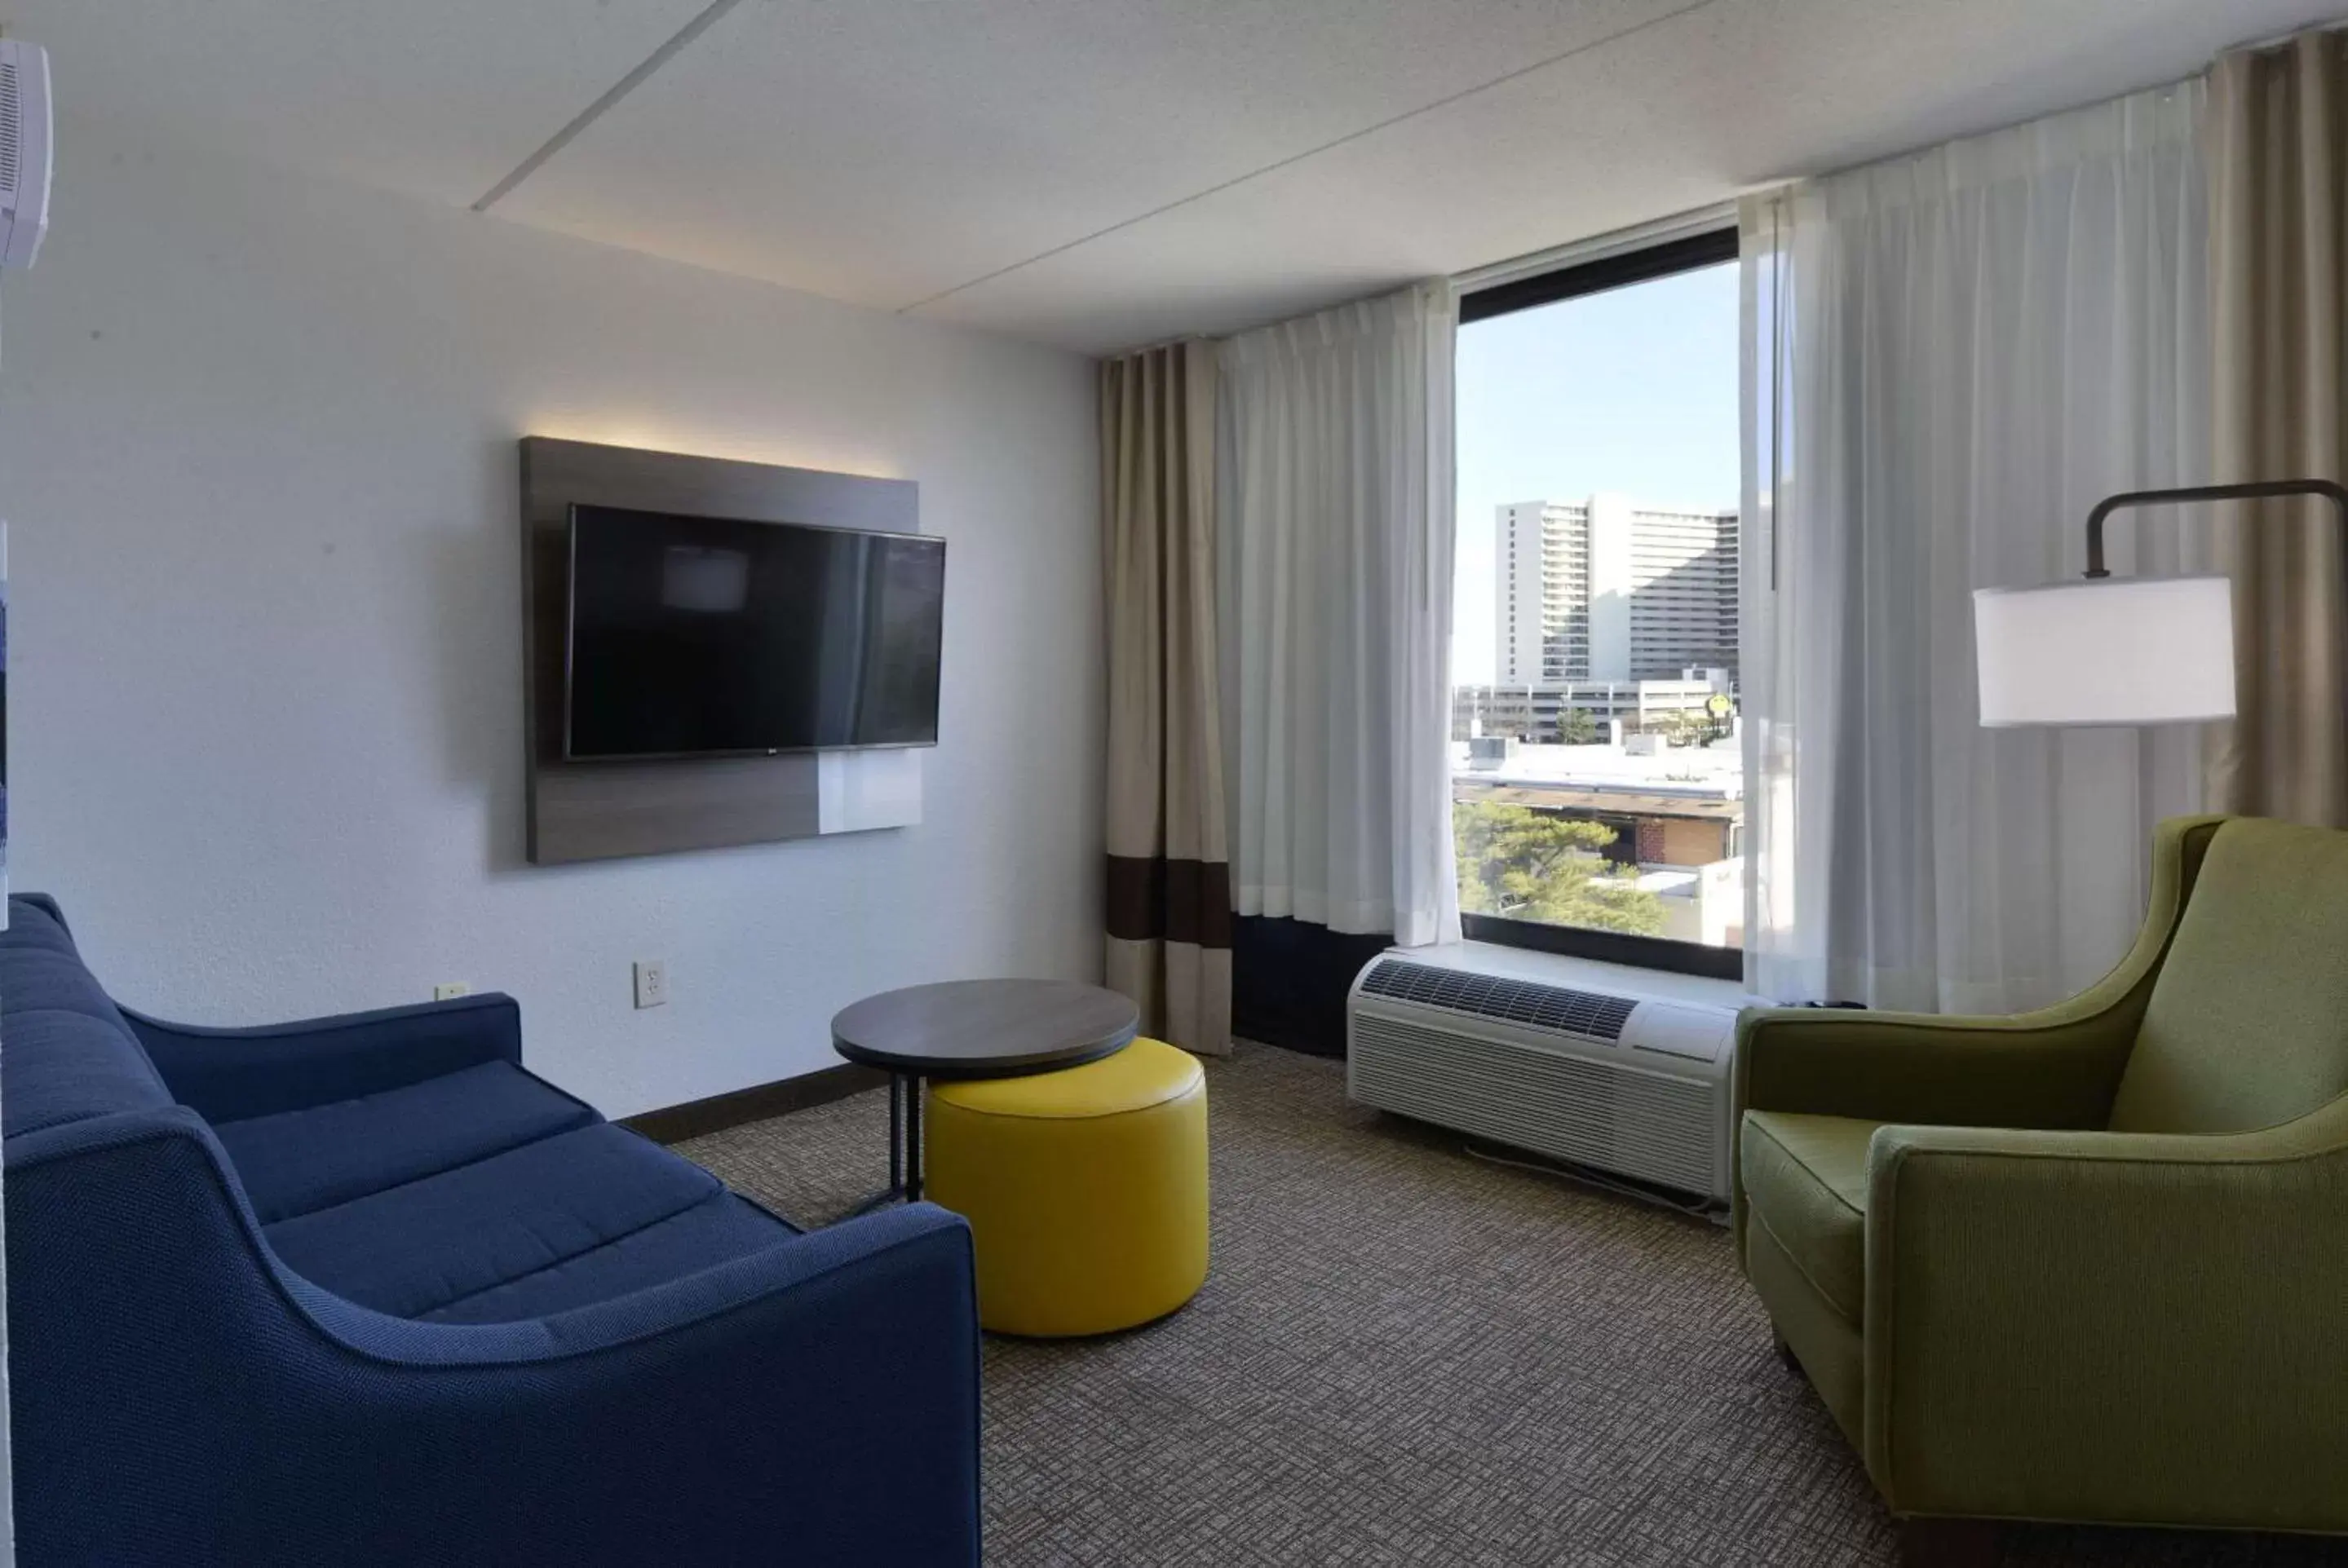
pixel 1598 779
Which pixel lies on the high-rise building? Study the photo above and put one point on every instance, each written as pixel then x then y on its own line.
pixel 1605 589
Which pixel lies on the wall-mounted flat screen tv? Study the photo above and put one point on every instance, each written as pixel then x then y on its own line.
pixel 708 636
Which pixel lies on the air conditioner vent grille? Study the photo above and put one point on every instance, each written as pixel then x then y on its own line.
pixel 11 109
pixel 1592 1112
pixel 1589 1014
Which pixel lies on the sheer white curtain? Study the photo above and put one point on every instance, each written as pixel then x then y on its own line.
pixel 1334 468
pixel 1949 358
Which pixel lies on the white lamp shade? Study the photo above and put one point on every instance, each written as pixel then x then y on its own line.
pixel 2115 651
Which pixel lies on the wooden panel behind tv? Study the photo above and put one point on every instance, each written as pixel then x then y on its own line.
pixel 594 811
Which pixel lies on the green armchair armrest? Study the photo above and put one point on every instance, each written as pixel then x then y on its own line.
pixel 2057 1068
pixel 2023 1285
pixel 2053 1069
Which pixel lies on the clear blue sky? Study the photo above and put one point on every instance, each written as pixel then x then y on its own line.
pixel 1632 390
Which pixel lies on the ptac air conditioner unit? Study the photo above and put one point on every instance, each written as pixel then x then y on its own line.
pixel 24 152
pixel 1634 1085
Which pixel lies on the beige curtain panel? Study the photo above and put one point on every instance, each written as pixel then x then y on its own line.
pixel 1169 882
pixel 2278 162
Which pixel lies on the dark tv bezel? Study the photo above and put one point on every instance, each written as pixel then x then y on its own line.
pixel 570 637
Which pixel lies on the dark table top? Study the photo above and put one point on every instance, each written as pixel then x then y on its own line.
pixel 986 1029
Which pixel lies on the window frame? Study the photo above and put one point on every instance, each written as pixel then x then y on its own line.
pixel 1648 263
pixel 1624 948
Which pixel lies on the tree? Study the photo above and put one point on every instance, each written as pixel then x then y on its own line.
pixel 1682 728
pixel 1530 864
pixel 1578 727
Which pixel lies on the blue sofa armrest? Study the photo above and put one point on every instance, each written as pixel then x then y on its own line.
pixel 816 1402
pixel 226 1075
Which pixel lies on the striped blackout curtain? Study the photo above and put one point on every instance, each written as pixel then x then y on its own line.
pixel 1170 901
pixel 2277 148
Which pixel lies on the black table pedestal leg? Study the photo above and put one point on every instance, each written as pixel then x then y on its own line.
pixel 904 1151
pixel 896 1132
pixel 913 1140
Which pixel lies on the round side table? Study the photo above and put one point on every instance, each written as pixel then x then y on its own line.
pixel 972 1029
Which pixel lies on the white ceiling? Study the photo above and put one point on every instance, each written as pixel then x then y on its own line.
pixel 433 98
pixel 1097 174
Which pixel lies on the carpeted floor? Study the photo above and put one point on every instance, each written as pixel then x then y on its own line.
pixel 1405 1354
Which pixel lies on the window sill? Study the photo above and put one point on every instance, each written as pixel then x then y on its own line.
pixel 1614 947
pixel 1585 974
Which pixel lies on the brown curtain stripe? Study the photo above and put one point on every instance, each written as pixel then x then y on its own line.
pixel 1167 941
pixel 1176 900
pixel 2278 156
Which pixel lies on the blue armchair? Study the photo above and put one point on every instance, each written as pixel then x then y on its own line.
pixel 362 1291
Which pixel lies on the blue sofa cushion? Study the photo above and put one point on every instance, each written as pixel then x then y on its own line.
pixel 294 1162
pixel 718 1229
pixel 70 1054
pixel 35 925
pixel 66 1066
pixel 410 1250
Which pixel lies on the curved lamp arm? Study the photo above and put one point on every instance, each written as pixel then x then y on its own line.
pixel 2259 489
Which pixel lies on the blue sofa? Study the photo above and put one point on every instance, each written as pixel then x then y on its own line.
pixel 364 1291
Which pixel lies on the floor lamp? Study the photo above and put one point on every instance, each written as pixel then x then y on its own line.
pixel 2118 651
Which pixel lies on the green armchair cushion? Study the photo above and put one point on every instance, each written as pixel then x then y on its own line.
pixel 1806 1179
pixel 2247 1023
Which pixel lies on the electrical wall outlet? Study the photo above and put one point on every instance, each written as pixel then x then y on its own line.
pixel 448 989
pixel 652 982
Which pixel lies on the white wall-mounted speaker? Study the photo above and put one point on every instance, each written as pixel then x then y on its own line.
pixel 24 152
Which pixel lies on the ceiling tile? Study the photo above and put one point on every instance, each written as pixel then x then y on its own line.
pixel 885 151
pixel 433 98
pixel 1679 116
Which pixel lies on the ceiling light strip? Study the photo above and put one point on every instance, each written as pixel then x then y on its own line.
pixel 595 111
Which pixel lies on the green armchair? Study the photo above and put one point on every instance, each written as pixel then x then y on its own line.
pixel 2091 1263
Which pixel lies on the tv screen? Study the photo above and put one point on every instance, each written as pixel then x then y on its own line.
pixel 698 635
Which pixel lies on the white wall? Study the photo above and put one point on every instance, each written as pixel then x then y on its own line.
pixel 257 446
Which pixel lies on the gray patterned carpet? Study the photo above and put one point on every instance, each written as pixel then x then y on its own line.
pixel 1408 1355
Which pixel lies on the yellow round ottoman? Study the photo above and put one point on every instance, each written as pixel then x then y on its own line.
pixel 1086 1189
